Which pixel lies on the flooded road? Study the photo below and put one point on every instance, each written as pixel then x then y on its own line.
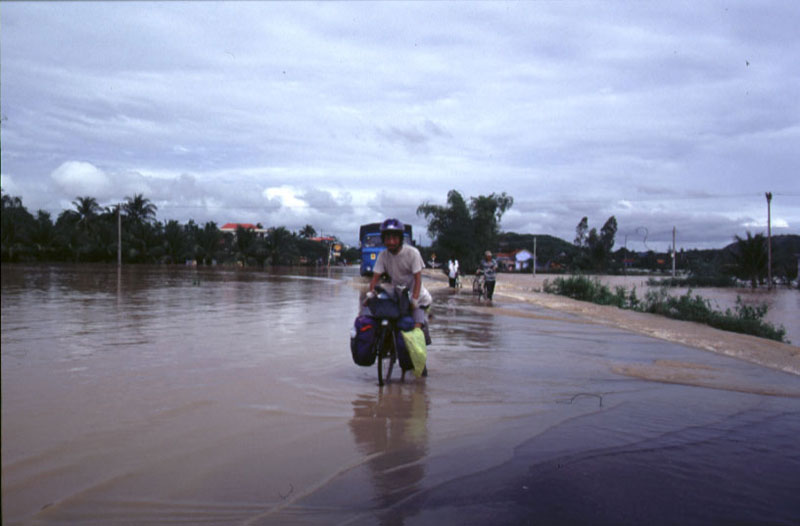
pixel 156 395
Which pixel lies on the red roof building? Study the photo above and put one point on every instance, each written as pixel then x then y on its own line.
pixel 231 227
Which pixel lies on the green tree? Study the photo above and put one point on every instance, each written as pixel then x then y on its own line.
pixel 43 237
pixel 87 209
pixel 191 239
pixel 581 233
pixel 174 241
pixel 595 248
pixel 245 244
pixel 487 211
pixel 462 231
pixel 139 209
pixel 280 246
pixel 308 232
pixel 750 257
pixel 17 224
pixel 209 241
pixel 607 234
pixel 141 234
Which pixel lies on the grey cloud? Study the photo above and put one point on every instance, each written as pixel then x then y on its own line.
pixel 651 104
pixel 414 137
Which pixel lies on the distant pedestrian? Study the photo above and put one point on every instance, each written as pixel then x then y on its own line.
pixel 452 272
pixel 488 268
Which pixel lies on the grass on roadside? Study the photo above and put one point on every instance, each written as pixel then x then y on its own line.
pixel 743 318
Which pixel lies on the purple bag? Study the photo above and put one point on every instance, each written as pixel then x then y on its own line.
pixel 362 341
pixel 403 358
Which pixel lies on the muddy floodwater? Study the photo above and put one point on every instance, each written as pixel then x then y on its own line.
pixel 162 396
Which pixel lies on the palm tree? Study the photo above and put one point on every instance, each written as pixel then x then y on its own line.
pixel 87 209
pixel 43 236
pixel 281 246
pixel 245 243
pixel 174 241
pixel 751 258
pixel 139 216
pixel 208 241
pixel 139 209
pixel 307 232
pixel 17 223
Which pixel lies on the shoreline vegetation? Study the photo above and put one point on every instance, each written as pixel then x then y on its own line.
pixel 524 289
pixel 744 319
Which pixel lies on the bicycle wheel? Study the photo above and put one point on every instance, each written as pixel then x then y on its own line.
pixel 386 355
pixel 481 289
pixel 476 286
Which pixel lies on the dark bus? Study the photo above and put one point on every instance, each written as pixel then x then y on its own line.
pixel 369 241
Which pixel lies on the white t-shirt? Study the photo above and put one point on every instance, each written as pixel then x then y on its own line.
pixel 401 269
pixel 453 268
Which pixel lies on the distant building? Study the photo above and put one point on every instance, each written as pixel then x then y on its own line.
pixel 515 261
pixel 231 228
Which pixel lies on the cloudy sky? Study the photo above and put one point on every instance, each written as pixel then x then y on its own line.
pixel 335 114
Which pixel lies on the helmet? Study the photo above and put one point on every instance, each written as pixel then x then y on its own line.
pixel 392 225
pixel 488 253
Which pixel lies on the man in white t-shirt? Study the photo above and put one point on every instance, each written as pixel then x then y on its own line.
pixel 403 264
pixel 452 272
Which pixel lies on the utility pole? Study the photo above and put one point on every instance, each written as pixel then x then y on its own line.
pixel 119 234
pixel 534 256
pixel 769 241
pixel 674 255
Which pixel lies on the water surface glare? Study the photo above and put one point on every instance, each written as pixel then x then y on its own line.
pixel 156 395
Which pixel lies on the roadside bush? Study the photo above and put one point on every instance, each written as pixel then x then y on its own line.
pixel 744 319
pixel 586 289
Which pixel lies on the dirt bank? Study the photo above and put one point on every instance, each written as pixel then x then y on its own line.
pixel 525 288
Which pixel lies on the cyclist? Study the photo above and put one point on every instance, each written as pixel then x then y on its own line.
pixel 403 264
pixel 488 267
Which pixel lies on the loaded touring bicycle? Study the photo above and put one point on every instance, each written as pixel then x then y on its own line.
pixel 377 335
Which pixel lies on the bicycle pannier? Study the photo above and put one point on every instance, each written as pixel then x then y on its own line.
pixel 362 341
pixel 403 358
pixel 389 306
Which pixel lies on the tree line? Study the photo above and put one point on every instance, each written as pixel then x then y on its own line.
pixel 464 229
pixel 89 233
pixel 461 228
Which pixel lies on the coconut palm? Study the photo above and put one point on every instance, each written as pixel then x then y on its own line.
pixel 751 258
pixel 307 232
pixel 281 247
pixel 139 209
pixel 208 242
pixel 87 209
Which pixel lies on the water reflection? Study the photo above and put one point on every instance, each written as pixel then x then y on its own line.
pixel 391 427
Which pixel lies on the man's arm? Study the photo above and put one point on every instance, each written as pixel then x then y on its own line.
pixel 417 286
pixel 374 281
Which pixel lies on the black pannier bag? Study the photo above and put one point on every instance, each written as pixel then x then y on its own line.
pixel 363 340
pixel 384 305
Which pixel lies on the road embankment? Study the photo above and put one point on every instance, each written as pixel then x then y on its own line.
pixel 524 288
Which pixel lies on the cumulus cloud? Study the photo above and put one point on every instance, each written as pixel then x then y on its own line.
pixel 10 186
pixel 287 197
pixel 80 178
pixel 292 113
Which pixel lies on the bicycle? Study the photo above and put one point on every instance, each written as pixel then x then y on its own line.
pixel 386 311
pixel 386 350
pixel 479 286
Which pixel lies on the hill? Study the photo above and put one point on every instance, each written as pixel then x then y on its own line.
pixel 548 248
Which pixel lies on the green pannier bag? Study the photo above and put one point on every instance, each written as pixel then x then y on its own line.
pixel 417 351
